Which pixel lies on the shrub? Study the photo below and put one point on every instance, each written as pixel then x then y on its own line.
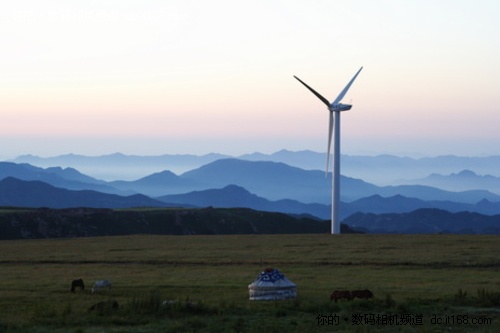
pixel 148 304
pixel 66 312
pixel 460 297
pixel 488 298
pixel 389 302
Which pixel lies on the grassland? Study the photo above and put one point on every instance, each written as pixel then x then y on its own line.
pixel 454 278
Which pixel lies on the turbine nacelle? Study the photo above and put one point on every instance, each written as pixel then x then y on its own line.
pixel 339 107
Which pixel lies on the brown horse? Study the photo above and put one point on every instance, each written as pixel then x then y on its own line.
pixel 340 294
pixel 362 294
pixel 77 284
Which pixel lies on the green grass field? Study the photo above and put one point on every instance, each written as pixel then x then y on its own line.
pixel 450 277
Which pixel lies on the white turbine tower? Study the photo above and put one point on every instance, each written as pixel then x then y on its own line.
pixel 335 108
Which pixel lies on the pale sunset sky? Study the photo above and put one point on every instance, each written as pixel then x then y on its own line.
pixel 194 77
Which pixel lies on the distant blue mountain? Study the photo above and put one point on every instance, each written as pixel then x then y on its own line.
pixel 156 184
pixel 68 178
pixel 386 169
pixel 425 221
pixel 119 166
pixel 380 169
pixel 277 187
pixel 304 159
pixel 233 196
pixel 432 193
pixel 275 181
pixel 20 193
pixel 461 181
pixel 269 180
pixel 399 204
pixel 210 186
pixel 27 171
pixel 236 196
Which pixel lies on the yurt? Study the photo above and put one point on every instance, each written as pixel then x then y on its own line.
pixel 271 284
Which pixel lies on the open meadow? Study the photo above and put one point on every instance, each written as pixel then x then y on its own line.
pixel 422 283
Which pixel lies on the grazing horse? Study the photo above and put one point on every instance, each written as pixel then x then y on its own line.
pixel 362 294
pixel 101 284
pixel 340 294
pixel 77 284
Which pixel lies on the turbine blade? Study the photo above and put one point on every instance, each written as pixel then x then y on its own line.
pixel 343 92
pixel 330 132
pixel 324 100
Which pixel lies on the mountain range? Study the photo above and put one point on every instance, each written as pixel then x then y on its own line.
pixel 235 196
pixel 425 221
pixel 461 181
pixel 270 180
pixel 262 185
pixel 119 166
pixel 380 169
pixel 18 193
pixel 34 193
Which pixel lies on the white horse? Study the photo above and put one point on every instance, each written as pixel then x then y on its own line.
pixel 101 284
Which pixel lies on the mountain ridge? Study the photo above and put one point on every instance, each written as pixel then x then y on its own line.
pixel 425 221
pixel 378 169
pixel 461 181
pixel 269 180
pixel 34 193
pixel 18 193
pixel 91 222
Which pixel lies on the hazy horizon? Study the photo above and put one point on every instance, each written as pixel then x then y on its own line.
pixel 192 77
pixel 367 153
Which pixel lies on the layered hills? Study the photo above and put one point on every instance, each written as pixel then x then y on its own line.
pixel 264 185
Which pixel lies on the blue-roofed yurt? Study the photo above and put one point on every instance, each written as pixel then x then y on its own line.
pixel 271 284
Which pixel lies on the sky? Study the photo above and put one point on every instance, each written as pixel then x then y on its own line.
pixel 194 77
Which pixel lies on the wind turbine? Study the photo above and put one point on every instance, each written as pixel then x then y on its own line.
pixel 335 108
